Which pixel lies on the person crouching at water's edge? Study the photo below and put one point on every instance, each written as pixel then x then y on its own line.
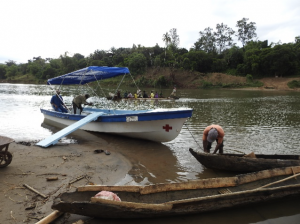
pixel 210 134
pixel 57 103
pixel 78 100
pixel 173 94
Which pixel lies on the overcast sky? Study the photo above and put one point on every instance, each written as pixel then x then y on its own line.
pixel 49 28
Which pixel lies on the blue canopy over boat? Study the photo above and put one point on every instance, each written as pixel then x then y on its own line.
pixel 89 74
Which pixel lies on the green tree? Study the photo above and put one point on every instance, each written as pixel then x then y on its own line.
pixel 223 36
pixel 219 65
pixel 199 61
pixel 38 67
pixel 23 68
pixel 167 39
pixel 252 61
pixel 11 71
pixel 10 63
pixel 79 61
pixel 137 64
pixel 246 31
pixel 2 71
pixel 157 61
pixel 297 51
pixel 78 56
pixel 174 42
pixel 50 72
pixel 34 69
pixel 98 55
pixel 256 45
pixel 68 64
pixel 280 61
pixel 186 64
pixel 206 42
pixel 233 57
pixel 56 64
pixel 157 50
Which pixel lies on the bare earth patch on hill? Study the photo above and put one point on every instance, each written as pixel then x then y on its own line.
pixel 278 83
pixel 189 79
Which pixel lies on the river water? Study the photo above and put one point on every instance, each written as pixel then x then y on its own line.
pixel 254 121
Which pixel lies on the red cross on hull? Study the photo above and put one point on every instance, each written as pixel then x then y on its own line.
pixel 167 127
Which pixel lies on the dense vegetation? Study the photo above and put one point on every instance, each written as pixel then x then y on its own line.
pixel 214 51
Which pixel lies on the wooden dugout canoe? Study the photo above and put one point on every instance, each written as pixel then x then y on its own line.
pixel 182 198
pixel 240 163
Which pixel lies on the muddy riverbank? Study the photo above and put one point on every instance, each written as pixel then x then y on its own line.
pixel 72 164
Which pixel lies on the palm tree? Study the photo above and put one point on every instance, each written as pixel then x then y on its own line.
pixel 167 39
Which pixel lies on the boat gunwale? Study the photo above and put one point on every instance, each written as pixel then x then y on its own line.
pixel 199 184
pixel 169 205
pixel 143 116
pixel 258 156
pixel 244 164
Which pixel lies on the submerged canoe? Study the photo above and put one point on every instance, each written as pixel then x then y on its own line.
pixel 240 163
pixel 182 198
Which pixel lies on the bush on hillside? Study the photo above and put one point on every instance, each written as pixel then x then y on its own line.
pixel 294 84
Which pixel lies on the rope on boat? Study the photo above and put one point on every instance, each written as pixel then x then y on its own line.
pixel 98 84
pixel 133 81
pixel 193 137
pixel 120 84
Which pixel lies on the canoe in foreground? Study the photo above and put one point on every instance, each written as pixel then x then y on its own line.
pixel 182 198
pixel 240 163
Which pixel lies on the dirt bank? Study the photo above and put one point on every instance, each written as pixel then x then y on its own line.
pixel 32 165
pixel 189 79
pixel 278 83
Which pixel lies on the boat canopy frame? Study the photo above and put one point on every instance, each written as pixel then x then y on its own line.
pixel 91 74
pixel 87 75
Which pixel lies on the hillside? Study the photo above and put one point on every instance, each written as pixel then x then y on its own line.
pixel 165 77
pixel 187 79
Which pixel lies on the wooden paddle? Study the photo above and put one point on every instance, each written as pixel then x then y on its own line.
pixel 279 181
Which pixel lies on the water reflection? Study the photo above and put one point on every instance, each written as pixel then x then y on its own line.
pixel 259 121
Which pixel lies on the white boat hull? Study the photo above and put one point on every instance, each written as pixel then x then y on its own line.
pixel 155 130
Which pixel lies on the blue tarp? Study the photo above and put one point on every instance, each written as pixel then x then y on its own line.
pixel 89 74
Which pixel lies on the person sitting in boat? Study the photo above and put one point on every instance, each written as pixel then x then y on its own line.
pixel 129 95
pixel 135 95
pixel 145 94
pixel 139 93
pixel 156 95
pixel 151 94
pixel 78 100
pixel 160 95
pixel 173 94
pixel 57 103
pixel 119 95
pixel 210 134
pixel 125 94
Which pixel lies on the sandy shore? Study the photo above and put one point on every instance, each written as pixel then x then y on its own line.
pixel 32 165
